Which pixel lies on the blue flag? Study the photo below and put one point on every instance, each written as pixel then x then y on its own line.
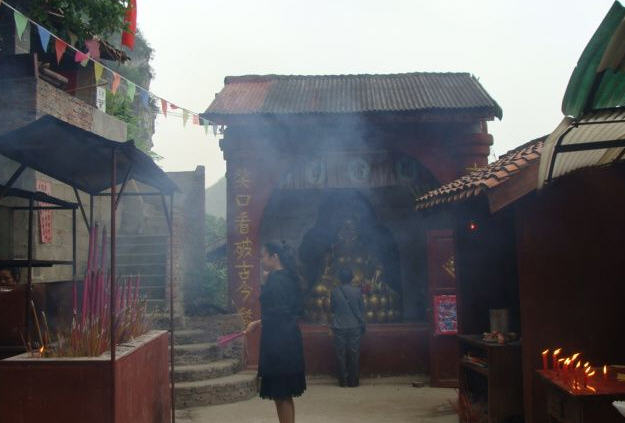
pixel 145 98
pixel 44 37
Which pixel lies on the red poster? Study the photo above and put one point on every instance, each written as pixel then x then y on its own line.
pixel 45 216
pixel 445 315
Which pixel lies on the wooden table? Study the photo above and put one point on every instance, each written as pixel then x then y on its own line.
pixel 569 403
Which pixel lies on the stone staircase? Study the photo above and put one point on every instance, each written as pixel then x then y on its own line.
pixel 206 374
pixel 146 256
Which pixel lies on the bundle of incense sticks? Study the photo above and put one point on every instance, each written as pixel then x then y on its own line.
pixel 224 340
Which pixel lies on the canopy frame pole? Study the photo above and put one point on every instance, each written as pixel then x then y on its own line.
pixel 169 217
pixel 12 180
pixel 113 274
pixel 123 187
pixel 29 275
pixel 82 209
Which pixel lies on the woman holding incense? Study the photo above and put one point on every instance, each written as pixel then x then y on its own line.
pixel 281 360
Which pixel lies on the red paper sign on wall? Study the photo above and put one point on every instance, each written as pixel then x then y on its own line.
pixel 45 216
pixel 445 315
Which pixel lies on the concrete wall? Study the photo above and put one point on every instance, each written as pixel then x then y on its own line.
pixel 25 99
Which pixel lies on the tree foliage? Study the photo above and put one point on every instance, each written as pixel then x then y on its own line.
pixel 83 18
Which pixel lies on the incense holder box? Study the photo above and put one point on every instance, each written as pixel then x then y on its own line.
pixel 133 388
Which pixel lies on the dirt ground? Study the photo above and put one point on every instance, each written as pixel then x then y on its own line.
pixel 378 400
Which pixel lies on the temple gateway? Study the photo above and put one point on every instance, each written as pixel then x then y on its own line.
pixel 332 165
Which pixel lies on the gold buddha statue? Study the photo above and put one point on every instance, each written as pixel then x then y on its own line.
pixel 381 301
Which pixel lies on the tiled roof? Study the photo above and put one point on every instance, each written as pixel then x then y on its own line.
pixel 486 178
pixel 297 94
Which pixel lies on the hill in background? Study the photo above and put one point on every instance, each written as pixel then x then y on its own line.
pixel 216 198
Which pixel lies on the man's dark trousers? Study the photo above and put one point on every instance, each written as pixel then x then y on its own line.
pixel 347 346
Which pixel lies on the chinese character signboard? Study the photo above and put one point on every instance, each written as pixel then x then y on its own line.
pixel 45 216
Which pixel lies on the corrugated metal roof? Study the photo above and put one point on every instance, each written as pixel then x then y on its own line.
pixel 298 94
pixel 486 178
pixel 595 139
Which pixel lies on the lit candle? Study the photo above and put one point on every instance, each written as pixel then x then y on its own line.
pixel 605 371
pixel 574 358
pixel 586 373
pixel 577 370
pixel 560 364
pixel 556 353
pixel 544 355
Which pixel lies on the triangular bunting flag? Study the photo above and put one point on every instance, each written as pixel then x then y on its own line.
pixel 173 106
pixel 20 23
pixel 116 80
pixel 94 48
pixel 97 70
pixel 196 119
pixel 185 117
pixel 44 37
pixel 130 90
pixel 60 47
pixel 164 107
pixel 145 98
pixel 80 57
pixel 205 124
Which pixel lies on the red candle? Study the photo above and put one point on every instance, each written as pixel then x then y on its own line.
pixel 545 354
pixel 556 353
pixel 605 371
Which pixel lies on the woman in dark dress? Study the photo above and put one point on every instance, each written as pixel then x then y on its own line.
pixel 281 361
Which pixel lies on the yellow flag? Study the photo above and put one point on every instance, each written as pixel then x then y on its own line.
pixel 97 70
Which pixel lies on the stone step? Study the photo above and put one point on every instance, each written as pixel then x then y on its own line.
pixel 141 258
pixel 147 279
pixel 197 353
pixel 142 248
pixel 153 292
pixel 141 269
pixel 123 240
pixel 191 336
pixel 215 369
pixel 155 305
pixel 227 389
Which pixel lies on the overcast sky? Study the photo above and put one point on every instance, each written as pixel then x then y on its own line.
pixel 523 53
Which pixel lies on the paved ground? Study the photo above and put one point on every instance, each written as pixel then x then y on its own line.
pixel 378 400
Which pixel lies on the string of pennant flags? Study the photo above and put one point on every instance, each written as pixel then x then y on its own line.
pixel 61 48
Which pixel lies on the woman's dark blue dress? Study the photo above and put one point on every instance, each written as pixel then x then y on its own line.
pixel 281 362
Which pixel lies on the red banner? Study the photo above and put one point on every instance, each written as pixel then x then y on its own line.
pixel 45 216
pixel 445 315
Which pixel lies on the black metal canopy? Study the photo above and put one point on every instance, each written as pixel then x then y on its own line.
pixel 80 158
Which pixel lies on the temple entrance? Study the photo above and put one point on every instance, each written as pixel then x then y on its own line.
pixel 348 234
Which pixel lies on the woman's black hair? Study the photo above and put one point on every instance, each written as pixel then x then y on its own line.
pixel 287 259
pixel 15 273
pixel 345 275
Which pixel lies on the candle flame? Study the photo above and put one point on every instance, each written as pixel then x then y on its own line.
pixel 591 374
pixel 587 370
pixel 557 352
pixel 587 364
pixel 41 350
pixel 578 365
pixel 575 356
pixel 545 352
pixel 591 388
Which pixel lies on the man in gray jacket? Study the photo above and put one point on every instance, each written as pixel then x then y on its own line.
pixel 348 325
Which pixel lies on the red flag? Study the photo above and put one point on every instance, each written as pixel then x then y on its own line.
pixel 164 107
pixel 173 106
pixel 60 47
pixel 116 80
pixel 196 119
pixel 128 36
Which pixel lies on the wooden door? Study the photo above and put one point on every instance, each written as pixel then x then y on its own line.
pixel 444 360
